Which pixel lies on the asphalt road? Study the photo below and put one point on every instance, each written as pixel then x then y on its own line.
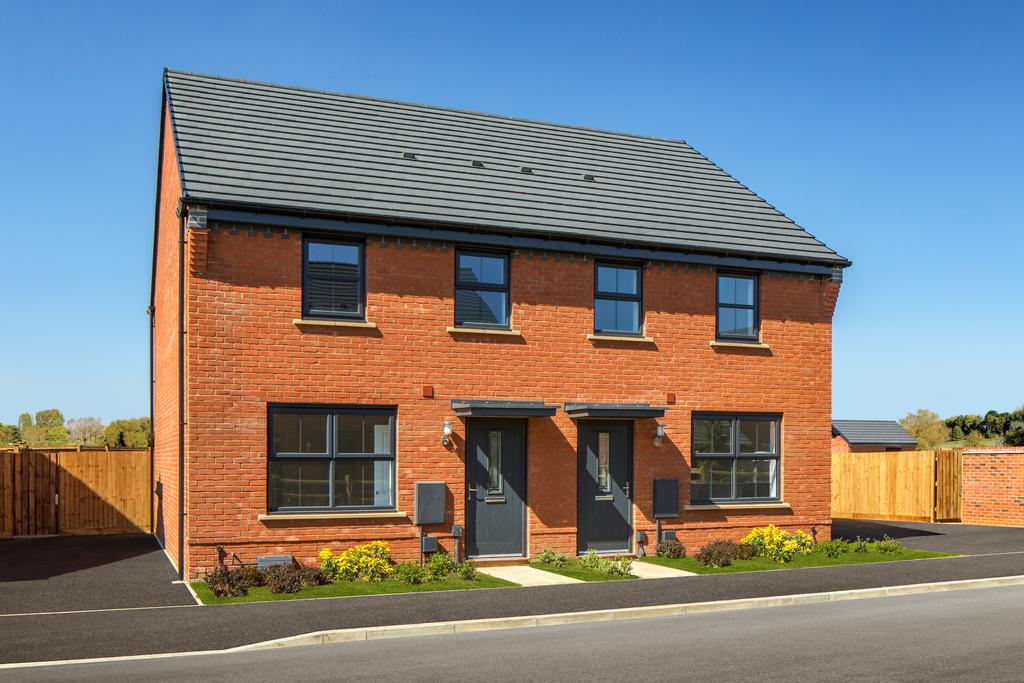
pixel 961 635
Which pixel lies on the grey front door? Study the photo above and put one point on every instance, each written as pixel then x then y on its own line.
pixel 496 487
pixel 605 504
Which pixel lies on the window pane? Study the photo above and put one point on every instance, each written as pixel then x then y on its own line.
pixel 362 483
pixel 377 434
pixel 474 269
pixel 757 436
pixel 479 306
pixel 348 432
pixel 300 433
pixel 616 316
pixel 298 483
pixel 494 462
pixel 721 478
pixel 700 480
pixel 735 290
pixel 736 322
pixel 614 280
pixel 756 478
pixel 604 484
pixel 712 436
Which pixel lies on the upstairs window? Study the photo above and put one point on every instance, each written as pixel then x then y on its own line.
pixel 738 315
pixel 618 299
pixel 333 279
pixel 481 289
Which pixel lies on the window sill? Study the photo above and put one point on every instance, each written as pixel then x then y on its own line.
pixel 740 506
pixel 738 345
pixel 484 330
pixel 620 338
pixel 294 516
pixel 314 322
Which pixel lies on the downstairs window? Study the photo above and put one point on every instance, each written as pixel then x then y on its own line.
pixel 734 458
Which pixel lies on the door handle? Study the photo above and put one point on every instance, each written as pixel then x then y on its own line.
pixel 627 489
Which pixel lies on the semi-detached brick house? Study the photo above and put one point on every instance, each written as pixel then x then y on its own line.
pixel 339 281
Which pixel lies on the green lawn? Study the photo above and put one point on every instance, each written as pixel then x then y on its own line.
pixel 351 588
pixel 573 570
pixel 815 559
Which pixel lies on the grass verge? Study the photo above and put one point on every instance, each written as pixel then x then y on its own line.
pixel 815 559
pixel 573 570
pixel 353 588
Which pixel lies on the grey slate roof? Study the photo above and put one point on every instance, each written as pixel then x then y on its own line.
pixel 240 142
pixel 880 432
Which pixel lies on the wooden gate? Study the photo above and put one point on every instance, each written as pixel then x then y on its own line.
pixel 74 491
pixel 916 486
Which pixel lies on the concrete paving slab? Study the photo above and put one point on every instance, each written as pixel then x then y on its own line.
pixel 525 575
pixel 646 570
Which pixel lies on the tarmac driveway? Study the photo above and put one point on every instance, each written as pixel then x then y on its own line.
pixel 85 573
pixel 949 538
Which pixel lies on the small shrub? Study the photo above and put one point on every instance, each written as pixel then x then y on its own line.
pixel 411 573
pixel 549 556
pixel 620 566
pixel 888 546
pixel 777 544
pixel 673 549
pixel 246 577
pixel 717 554
pixel 591 561
pixel 220 582
pixel 369 561
pixel 833 548
pixel 283 579
pixel 467 571
pixel 440 566
pixel 745 551
pixel 860 545
pixel 312 576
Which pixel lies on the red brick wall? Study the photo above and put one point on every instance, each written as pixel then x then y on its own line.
pixel 841 445
pixel 165 354
pixel 244 351
pixel 993 486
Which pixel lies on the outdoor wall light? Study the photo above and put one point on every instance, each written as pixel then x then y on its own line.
pixel 446 434
pixel 659 434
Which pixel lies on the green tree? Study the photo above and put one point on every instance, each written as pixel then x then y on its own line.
pixel 24 421
pixel 927 428
pixel 49 418
pixel 971 423
pixel 974 439
pixel 1015 433
pixel 956 433
pixel 131 433
pixel 994 424
pixel 56 436
pixel 9 434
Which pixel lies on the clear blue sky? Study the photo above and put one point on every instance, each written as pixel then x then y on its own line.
pixel 893 131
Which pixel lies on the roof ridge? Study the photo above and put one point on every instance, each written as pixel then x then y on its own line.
pixel 437 107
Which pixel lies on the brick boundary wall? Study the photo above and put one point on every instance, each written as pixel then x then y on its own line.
pixel 993 486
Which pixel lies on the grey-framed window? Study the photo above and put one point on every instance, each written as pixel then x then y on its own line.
pixel 618 298
pixel 482 289
pixel 735 457
pixel 738 310
pixel 333 279
pixel 324 458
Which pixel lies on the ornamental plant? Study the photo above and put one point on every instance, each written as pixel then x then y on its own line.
pixel 369 562
pixel 778 544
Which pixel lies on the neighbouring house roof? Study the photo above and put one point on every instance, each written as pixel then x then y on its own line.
pixel 257 145
pixel 873 432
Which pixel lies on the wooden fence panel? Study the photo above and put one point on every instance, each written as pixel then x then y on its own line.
pixel 6 493
pixel 895 485
pixel 101 491
pixel 948 485
pixel 104 492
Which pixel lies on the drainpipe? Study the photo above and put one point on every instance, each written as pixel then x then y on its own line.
pixel 181 393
